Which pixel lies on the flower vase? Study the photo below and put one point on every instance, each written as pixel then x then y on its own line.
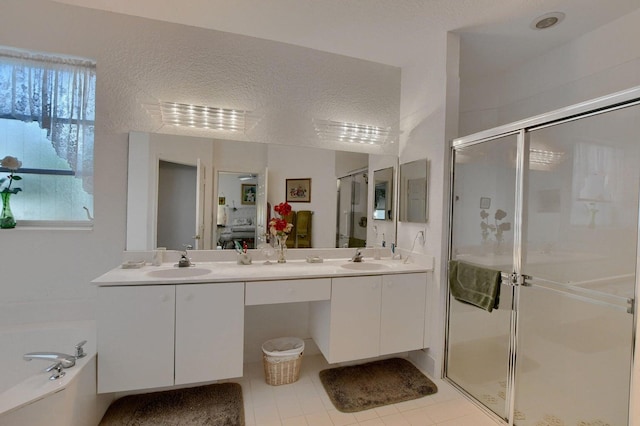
pixel 498 246
pixel 7 221
pixel 282 248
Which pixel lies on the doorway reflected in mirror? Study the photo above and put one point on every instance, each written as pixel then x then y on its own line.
pixel 238 216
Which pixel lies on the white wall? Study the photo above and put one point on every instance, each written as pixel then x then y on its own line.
pixel 604 61
pixel 230 187
pixel 288 162
pixel 348 162
pixel 240 157
pixel 57 287
pixel 136 58
pixel 429 112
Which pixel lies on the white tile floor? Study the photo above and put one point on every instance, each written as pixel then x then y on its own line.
pixel 305 403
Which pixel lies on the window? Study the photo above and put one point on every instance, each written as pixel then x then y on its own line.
pixel 47 117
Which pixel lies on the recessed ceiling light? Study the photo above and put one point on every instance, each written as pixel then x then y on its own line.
pixel 547 20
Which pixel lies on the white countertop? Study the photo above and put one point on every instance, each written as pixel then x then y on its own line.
pixel 211 272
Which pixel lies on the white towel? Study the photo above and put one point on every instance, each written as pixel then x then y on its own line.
pixel 222 216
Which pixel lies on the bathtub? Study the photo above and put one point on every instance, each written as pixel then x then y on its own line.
pixel 28 397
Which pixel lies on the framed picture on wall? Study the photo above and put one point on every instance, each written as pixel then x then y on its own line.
pixel 298 190
pixel 485 202
pixel 248 193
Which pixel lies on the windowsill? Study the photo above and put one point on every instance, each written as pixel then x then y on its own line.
pixel 49 228
pixel 36 225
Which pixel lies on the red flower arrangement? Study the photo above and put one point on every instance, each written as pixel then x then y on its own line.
pixel 279 226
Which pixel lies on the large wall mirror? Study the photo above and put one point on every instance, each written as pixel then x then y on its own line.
pixel 413 189
pixel 235 181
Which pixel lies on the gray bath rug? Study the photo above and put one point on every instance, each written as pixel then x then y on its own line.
pixel 374 384
pixel 212 405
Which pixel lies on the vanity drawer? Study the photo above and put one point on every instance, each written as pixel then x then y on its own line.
pixel 285 291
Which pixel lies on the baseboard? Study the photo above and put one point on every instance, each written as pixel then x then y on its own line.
pixel 310 347
pixel 424 361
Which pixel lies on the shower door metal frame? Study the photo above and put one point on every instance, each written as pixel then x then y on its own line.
pixel 522 157
pixel 351 175
pixel 522 129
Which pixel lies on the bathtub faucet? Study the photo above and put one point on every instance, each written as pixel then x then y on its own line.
pixel 66 361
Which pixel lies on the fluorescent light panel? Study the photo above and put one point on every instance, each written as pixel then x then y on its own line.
pixel 205 117
pixel 351 132
pixel 544 160
pixel 539 156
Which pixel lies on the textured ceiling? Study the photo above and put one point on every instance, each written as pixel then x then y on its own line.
pixel 495 33
pixel 141 62
pixel 342 61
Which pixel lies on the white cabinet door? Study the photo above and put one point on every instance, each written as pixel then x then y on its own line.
pixel 135 337
pixel 209 332
pixel 403 312
pixel 355 318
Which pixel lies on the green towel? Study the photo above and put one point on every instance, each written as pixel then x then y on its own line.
pixel 291 218
pixel 475 285
pixel 303 228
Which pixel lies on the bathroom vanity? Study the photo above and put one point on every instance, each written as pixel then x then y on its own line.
pixel 164 326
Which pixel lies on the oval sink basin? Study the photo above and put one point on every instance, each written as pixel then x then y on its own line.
pixel 178 272
pixel 364 266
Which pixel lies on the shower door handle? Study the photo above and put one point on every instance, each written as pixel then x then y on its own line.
pixel 514 279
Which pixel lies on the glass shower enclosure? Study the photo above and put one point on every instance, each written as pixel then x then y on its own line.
pixel 352 209
pixel 552 204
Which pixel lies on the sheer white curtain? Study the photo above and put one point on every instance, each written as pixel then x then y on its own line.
pixel 597 172
pixel 598 183
pixel 59 94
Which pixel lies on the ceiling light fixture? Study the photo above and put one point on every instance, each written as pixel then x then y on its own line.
pixel 351 132
pixel 547 20
pixel 540 159
pixel 197 116
pixel 247 177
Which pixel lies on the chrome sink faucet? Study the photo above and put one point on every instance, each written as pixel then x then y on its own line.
pixel 357 257
pixel 184 259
